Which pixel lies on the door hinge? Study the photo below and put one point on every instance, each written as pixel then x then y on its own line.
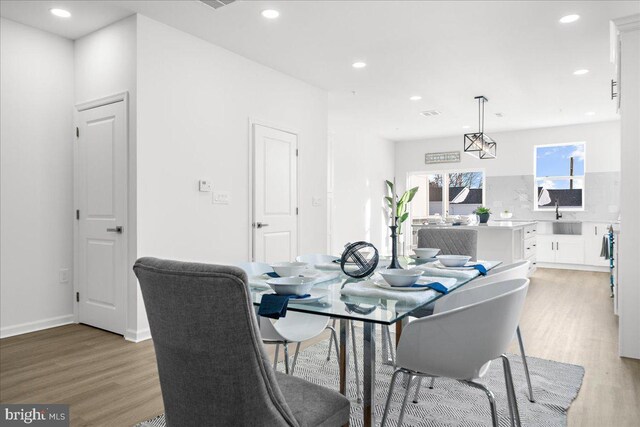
pixel 296 211
pixel 296 152
pixel 77 296
pixel 78 214
pixel 77 132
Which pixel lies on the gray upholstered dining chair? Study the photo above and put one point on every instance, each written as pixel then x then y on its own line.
pixel 212 366
pixel 450 241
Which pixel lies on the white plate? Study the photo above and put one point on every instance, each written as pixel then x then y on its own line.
pixel 309 300
pixel 463 268
pixel 384 285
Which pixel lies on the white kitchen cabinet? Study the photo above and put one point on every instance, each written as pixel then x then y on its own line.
pixel 593 233
pixel 561 249
pixel 546 248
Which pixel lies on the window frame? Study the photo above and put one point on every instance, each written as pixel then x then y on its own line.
pixel 582 178
pixel 445 186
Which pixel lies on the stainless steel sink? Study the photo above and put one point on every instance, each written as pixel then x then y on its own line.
pixel 567 227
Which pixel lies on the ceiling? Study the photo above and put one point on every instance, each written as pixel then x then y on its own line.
pixel 515 53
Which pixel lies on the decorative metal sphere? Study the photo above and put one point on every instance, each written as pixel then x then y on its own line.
pixel 362 255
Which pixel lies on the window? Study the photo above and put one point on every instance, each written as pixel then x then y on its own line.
pixel 559 176
pixel 446 192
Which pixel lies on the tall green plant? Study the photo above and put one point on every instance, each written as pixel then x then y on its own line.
pixel 402 204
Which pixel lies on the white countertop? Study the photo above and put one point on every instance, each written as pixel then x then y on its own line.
pixel 512 225
pixel 607 221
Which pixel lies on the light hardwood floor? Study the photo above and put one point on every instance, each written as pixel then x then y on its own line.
pixel 107 381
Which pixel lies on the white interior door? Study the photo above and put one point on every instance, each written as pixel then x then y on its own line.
pixel 275 195
pixel 102 203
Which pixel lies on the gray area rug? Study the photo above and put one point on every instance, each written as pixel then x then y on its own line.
pixel 450 403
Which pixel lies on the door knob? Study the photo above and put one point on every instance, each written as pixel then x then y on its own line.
pixel 261 224
pixel 118 229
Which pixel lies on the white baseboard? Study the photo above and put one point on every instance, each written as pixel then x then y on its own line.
pixel 580 267
pixel 137 336
pixel 38 325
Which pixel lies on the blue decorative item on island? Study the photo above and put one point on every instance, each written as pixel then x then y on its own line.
pixel 361 255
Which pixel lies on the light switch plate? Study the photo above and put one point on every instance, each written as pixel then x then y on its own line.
pixel 221 197
pixel 63 275
pixel 316 201
pixel 204 185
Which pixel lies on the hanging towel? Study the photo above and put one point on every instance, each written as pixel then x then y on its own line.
pixel 604 252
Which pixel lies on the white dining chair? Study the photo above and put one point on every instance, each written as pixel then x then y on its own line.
pixel 316 259
pixel 517 270
pixel 293 328
pixel 460 340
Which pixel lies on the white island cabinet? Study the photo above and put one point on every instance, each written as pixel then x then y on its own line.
pixel 500 240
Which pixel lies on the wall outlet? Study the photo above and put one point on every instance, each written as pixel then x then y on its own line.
pixel 63 275
pixel 316 201
pixel 221 197
pixel 204 185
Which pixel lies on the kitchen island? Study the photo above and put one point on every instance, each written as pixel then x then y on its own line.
pixel 507 241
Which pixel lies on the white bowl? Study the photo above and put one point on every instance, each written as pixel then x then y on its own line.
pixel 291 285
pixel 453 260
pixel 506 215
pixel 288 269
pixel 426 252
pixel 400 277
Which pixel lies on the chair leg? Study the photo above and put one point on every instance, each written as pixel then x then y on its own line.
pixel 433 381
pixel 492 400
pixel 525 364
pixel 286 357
pixel 295 357
pixel 511 394
pixel 333 329
pixel 334 338
pixel 386 331
pixel 418 386
pixel 275 358
pixel 355 361
pixel 404 401
pixel 391 387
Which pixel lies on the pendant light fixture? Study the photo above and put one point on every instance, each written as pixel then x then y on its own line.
pixel 478 144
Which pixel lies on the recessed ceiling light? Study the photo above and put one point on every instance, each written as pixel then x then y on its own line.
pixel 270 13
pixel 569 19
pixel 590 113
pixel 359 64
pixel 61 13
pixel 415 98
pixel 580 72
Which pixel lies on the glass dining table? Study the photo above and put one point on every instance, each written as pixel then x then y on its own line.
pixel 371 312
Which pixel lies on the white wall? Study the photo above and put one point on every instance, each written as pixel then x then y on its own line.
pixel 194 104
pixel 515 149
pixel 360 163
pixel 36 221
pixel 629 258
pixel 105 64
pixel 510 183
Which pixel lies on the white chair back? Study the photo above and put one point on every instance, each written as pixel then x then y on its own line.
pixel 459 342
pixel 295 326
pixel 255 268
pixel 517 270
pixel 314 259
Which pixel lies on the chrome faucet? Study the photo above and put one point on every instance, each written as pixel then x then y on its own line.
pixel 558 214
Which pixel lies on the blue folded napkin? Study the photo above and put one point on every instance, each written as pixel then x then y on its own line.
pixel 274 306
pixel 480 268
pixel 272 274
pixel 438 287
